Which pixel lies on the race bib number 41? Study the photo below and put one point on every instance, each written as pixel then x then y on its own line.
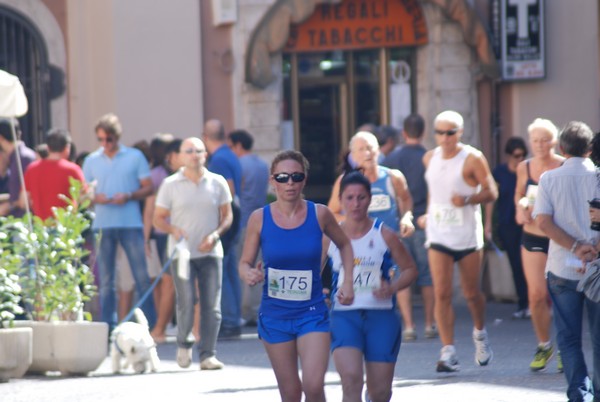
pixel 366 279
pixel 447 215
pixel 295 285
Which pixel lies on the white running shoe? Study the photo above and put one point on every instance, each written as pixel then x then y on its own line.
pixel 184 357
pixel 448 362
pixel 211 363
pixel 483 350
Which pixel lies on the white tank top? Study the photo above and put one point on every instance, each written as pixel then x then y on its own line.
pixel 371 262
pixel 457 228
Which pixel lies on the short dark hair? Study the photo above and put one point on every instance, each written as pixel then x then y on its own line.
pixel 575 138
pixel 57 139
pixel 242 137
pixel 110 124
pixel 514 143
pixel 174 146
pixel 5 130
pixel 414 125
pixel 42 150
pixel 354 177
pixel 290 154
pixel 158 148
pixel 385 133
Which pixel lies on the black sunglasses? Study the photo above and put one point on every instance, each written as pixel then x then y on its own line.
pixel 446 132
pixel 106 139
pixel 518 155
pixel 296 177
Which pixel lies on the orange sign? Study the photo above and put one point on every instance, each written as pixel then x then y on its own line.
pixel 360 24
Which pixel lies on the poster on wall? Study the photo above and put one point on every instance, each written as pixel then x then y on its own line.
pixel 523 56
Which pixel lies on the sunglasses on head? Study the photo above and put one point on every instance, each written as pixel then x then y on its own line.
pixel 296 177
pixel 446 132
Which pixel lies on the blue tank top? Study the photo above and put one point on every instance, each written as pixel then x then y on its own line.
pixel 383 200
pixel 292 264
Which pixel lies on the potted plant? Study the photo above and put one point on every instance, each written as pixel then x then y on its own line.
pixel 15 343
pixel 56 284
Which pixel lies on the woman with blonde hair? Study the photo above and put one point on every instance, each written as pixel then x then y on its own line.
pixel 543 136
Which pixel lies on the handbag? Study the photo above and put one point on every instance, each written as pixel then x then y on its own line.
pixel 590 283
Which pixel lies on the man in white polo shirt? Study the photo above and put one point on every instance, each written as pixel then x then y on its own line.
pixel 195 204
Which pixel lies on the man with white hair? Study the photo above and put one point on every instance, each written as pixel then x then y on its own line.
pixel 459 180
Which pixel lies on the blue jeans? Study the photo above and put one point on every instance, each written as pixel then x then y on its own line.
pixel 510 236
pixel 206 271
pixel 132 241
pixel 231 299
pixel 567 306
pixel 416 247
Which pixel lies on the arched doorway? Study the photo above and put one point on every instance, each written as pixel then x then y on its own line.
pixel 23 53
pixel 347 65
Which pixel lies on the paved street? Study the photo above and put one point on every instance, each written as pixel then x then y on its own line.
pixel 248 377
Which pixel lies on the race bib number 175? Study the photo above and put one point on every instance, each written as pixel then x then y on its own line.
pixel 293 285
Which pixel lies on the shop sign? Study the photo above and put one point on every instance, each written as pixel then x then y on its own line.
pixel 360 24
pixel 523 56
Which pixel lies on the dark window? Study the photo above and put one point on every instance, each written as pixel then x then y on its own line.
pixel 23 53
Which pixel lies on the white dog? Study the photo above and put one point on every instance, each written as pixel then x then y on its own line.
pixel 132 342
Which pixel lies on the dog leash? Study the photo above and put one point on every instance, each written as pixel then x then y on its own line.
pixel 142 299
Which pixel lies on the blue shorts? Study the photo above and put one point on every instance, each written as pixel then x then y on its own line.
pixel 376 333
pixel 277 330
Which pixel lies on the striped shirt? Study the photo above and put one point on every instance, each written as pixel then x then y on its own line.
pixel 563 193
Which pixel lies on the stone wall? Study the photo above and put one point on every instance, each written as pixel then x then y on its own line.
pixel 256 110
pixel 445 75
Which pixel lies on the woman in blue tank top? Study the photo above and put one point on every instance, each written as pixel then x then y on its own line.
pixel 293 320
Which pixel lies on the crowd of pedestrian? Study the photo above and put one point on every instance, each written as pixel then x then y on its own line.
pixel 340 278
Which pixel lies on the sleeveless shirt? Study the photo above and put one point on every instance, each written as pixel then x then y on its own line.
pixel 292 264
pixel 372 261
pixel 383 200
pixel 457 228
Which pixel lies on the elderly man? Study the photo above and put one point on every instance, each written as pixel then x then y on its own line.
pixel 195 204
pixel 459 181
pixel 561 211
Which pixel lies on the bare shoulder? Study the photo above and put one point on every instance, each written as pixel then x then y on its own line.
pixel 427 157
pixel 255 220
pixel 391 238
pixel 323 212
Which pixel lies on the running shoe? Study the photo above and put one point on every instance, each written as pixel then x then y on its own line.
pixel 541 358
pixel 184 357
pixel 431 332
pixel 522 314
pixel 409 334
pixel 483 350
pixel 211 363
pixel 448 362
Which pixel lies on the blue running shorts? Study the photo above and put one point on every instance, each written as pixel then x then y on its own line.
pixel 276 330
pixel 376 333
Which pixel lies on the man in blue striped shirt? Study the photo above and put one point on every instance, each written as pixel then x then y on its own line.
pixel 561 211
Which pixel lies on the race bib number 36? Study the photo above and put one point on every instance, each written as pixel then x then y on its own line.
pixel 446 215
pixel 380 202
pixel 290 284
